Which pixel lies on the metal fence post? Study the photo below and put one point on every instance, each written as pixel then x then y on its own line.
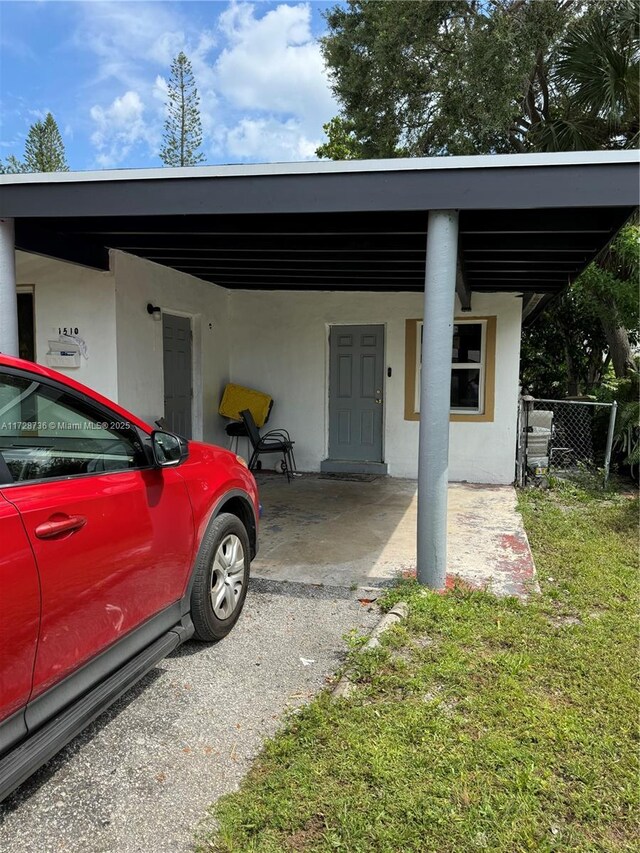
pixel 520 445
pixel 607 453
pixel 527 406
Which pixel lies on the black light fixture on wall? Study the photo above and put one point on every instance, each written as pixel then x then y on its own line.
pixel 154 310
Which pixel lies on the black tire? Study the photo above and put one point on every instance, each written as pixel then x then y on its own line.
pixel 209 626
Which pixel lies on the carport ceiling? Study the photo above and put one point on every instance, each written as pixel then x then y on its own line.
pixel 528 223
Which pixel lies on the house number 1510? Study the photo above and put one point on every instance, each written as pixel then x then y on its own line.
pixel 67 330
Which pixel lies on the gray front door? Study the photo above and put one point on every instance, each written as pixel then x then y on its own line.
pixel 176 347
pixel 356 375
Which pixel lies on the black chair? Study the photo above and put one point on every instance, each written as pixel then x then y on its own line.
pixel 236 429
pixel 275 441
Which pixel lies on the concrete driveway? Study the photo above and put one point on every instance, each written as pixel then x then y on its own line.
pixel 140 778
pixel 362 532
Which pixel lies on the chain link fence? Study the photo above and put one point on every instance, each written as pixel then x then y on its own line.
pixel 563 437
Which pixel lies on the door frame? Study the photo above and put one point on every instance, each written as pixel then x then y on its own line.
pixel 197 403
pixel 327 379
pixel 31 289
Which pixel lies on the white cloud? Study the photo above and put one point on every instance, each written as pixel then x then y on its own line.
pixel 126 37
pixel 273 69
pixel 118 128
pixel 160 89
pixel 130 42
pixel 270 140
pixel 165 46
pixel 273 63
pixel 263 89
pixel 39 115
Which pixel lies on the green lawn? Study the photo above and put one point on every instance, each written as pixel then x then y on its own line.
pixel 482 724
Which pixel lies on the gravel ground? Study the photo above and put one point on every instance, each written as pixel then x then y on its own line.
pixel 140 778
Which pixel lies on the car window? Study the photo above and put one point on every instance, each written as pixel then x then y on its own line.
pixel 47 432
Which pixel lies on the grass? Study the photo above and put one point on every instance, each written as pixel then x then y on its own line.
pixel 480 724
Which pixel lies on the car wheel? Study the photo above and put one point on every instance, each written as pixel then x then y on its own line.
pixel 221 578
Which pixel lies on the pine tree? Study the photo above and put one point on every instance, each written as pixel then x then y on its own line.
pixel 12 166
pixel 44 148
pixel 183 128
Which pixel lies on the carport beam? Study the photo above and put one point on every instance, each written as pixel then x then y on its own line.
pixel 435 393
pixel 8 295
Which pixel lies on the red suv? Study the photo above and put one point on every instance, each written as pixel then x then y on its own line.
pixel 118 542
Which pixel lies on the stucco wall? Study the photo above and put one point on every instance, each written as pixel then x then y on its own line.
pixel 274 341
pixel 280 345
pixel 69 295
pixel 139 340
pixel 485 452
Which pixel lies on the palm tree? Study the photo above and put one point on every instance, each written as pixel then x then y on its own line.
pixel 596 76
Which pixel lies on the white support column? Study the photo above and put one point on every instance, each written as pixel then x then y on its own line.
pixel 435 393
pixel 8 295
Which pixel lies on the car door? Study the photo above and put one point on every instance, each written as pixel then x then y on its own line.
pixel 113 537
pixel 20 597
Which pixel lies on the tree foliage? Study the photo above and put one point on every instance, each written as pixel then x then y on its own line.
pixel 342 143
pixel 610 284
pixel 43 150
pixel 443 77
pixel 564 352
pixel 12 166
pixel 183 127
pixel 432 77
pixel 597 71
pixel 591 329
pixel 626 391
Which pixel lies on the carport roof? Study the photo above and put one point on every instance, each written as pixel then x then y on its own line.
pixel 528 223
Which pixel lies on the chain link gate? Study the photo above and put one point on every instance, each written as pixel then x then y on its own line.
pixel 563 437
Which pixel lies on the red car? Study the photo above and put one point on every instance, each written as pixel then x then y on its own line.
pixel 118 542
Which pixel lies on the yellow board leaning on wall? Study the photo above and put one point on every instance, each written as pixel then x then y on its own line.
pixel 236 398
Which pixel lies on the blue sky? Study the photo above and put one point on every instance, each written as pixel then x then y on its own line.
pixel 101 69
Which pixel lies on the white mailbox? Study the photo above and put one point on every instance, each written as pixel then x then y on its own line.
pixel 63 354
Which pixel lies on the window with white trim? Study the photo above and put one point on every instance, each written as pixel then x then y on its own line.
pixel 468 366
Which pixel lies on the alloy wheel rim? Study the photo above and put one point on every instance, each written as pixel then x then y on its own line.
pixel 227 576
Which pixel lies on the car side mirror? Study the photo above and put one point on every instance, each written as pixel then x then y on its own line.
pixel 168 449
